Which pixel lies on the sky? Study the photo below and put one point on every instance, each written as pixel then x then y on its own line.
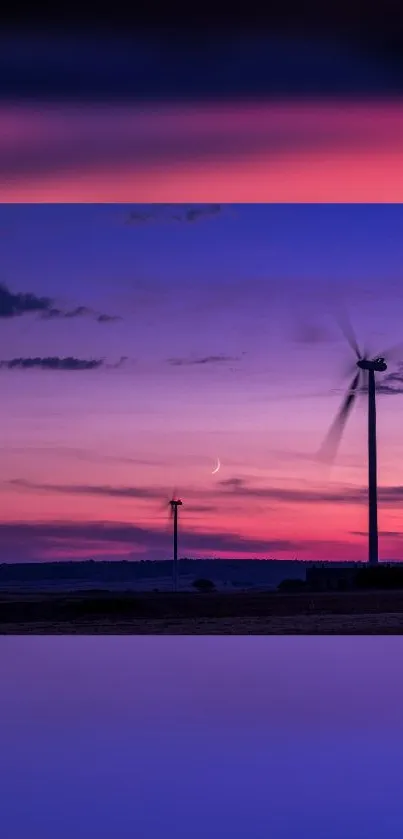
pixel 140 343
pixel 282 118
pixel 265 736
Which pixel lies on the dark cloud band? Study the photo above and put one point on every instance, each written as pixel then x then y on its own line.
pixel 52 363
pixel 15 304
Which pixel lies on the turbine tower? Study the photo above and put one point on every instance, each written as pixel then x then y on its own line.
pixel 364 380
pixel 174 504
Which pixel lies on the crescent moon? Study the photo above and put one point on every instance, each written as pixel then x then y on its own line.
pixel 217 467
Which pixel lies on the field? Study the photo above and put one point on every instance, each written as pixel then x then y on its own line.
pixel 240 613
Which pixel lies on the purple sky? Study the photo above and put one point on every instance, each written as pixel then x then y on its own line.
pixel 210 333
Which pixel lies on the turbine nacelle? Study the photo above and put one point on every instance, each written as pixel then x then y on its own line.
pixel 176 503
pixel 377 365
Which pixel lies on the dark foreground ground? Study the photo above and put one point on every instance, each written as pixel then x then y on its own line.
pixel 241 613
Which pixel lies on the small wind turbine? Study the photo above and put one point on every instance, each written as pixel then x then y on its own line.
pixel 174 503
pixel 365 377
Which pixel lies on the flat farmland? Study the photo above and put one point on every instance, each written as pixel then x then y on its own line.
pixel 240 613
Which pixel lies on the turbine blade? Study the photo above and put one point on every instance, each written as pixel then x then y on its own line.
pixel 168 523
pixel 166 512
pixel 166 503
pixel 348 370
pixel 348 331
pixel 330 444
pixel 163 506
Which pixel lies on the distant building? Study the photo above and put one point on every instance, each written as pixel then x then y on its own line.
pixel 329 576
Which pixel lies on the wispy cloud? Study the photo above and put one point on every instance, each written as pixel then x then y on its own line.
pixel 36 540
pixel 395 534
pixel 78 312
pixel 52 363
pixel 41 537
pixel 15 304
pixel 84 454
pixel 230 488
pixel 108 318
pixel 182 213
pixel 202 500
pixel 238 487
pixel 90 489
pixel 120 363
pixel 233 488
pixel 392 383
pixel 200 508
pixel 207 359
pixel 195 213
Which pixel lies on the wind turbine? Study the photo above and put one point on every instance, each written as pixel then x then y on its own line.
pixel 364 379
pixel 174 503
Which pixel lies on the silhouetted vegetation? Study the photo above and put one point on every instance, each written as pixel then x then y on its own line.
pixel 102 573
pixel 292 585
pixel 203 585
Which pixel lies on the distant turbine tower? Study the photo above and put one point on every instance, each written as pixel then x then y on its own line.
pixel 174 504
pixel 365 366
